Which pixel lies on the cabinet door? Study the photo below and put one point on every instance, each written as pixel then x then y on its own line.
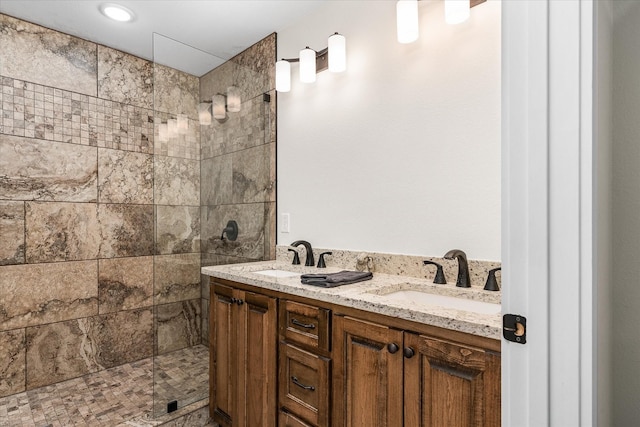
pixel 368 378
pixel 223 354
pixel 257 373
pixel 449 384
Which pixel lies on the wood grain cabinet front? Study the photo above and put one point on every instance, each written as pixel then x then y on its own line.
pixel 387 377
pixel 304 384
pixel 243 367
pixel 305 324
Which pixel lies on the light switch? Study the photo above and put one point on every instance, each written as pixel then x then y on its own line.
pixel 284 222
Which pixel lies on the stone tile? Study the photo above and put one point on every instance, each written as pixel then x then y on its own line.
pixel 12 232
pixel 216 173
pixel 61 231
pixel 125 177
pixel 125 283
pixel 176 277
pixel 124 78
pixel 177 181
pixel 253 180
pixel 176 92
pixel 177 325
pixel 47 57
pixel 44 170
pixel 124 336
pixel 45 293
pixel 64 350
pixel 177 229
pixel 12 362
pixel 205 321
pixel 245 129
pixel 250 219
pixel 126 230
pixel 53 114
pixel 270 218
pixel 185 146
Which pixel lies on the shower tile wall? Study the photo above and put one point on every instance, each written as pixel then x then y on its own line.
pixel 78 205
pixel 238 164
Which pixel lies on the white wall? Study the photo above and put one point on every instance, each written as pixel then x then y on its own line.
pixel 401 153
pixel 626 213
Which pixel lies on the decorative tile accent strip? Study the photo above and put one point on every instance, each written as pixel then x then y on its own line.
pixel 186 146
pixel 44 112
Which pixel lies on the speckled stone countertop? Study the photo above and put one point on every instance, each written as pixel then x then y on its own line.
pixel 372 296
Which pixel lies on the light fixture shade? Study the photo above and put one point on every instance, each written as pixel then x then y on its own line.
pixel 117 12
pixel 233 99
pixel 219 107
pixel 407 20
pixel 172 128
pixel 283 76
pixel 204 113
pixel 337 53
pixel 456 11
pixel 183 124
pixel 163 132
pixel 307 65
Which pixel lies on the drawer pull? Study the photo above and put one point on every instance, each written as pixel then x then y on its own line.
pixel 303 325
pixel 299 384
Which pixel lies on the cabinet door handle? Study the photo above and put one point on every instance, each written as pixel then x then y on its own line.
pixel 409 352
pixel 303 325
pixel 240 302
pixel 299 384
pixel 393 347
pixel 234 300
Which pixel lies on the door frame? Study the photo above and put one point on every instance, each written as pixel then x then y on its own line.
pixel 547 211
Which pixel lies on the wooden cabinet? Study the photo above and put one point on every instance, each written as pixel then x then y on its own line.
pixel 387 377
pixel 243 336
pixel 304 380
pixel 278 359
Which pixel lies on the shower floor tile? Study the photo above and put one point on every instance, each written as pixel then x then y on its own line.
pixel 112 396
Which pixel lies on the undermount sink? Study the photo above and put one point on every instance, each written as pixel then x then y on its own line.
pixel 444 301
pixel 277 273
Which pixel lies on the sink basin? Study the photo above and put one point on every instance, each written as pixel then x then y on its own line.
pixel 277 273
pixel 444 301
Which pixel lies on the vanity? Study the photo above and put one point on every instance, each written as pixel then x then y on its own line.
pixel 391 351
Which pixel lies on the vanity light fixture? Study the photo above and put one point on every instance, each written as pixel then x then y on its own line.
pixel 233 99
pixel 219 106
pixel 204 113
pixel 116 12
pixel 183 124
pixel 455 12
pixel 333 57
pixel 407 20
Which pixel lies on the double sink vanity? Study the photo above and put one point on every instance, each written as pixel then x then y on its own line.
pixel 395 350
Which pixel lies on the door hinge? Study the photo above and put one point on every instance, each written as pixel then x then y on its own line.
pixel 514 328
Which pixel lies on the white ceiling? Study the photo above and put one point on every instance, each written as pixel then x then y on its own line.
pixel 216 30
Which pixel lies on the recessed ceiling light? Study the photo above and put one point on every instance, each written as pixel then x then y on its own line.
pixel 116 12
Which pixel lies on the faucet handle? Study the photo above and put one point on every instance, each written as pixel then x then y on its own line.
pixel 321 263
pixel 492 283
pixel 296 256
pixel 440 278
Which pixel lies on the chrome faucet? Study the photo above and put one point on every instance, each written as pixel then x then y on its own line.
pixel 310 262
pixel 464 280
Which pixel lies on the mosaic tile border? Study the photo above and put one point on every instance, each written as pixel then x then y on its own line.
pixel 44 112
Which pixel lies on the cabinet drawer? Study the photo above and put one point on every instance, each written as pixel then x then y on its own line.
pixel 304 384
pixel 288 420
pixel 305 324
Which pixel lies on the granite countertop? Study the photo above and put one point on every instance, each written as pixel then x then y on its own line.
pixel 372 296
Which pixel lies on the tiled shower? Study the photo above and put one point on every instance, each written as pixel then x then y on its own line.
pixel 104 227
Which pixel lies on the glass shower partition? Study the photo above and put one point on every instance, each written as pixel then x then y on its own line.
pixel 207 171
